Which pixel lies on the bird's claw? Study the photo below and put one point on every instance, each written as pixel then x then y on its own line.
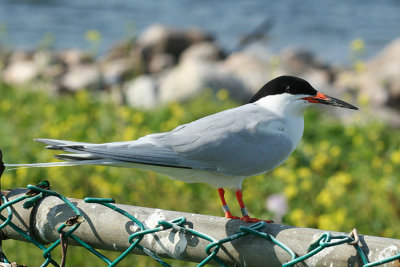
pixel 247 218
pixel 229 215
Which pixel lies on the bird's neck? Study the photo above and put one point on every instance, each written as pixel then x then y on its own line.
pixel 283 106
pixel 292 114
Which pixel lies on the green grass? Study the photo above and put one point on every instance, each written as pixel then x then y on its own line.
pixel 339 178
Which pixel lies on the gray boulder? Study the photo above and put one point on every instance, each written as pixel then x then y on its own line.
pixel 252 68
pixel 86 76
pixel 159 39
pixel 142 92
pixel 196 71
pixel 20 72
pixel 379 81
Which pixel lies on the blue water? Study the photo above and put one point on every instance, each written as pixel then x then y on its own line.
pixel 324 27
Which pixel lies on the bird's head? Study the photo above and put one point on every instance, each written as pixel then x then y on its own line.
pixel 289 93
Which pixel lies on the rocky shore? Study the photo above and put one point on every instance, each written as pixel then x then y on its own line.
pixel 165 64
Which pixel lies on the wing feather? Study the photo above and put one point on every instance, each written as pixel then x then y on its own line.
pixel 243 141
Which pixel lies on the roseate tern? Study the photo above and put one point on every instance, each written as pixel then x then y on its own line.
pixel 221 149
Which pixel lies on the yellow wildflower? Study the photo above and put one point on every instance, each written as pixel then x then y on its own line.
pixel 342 178
pixel 319 162
pixel 335 151
pixel 290 191
pixel 324 198
pixel 93 36
pixel 357 45
pixel 323 145
pixel 297 217
pixel 306 185
pixel 358 140
pixel 177 110
pixel 138 118
pixel 376 162
pixel 304 172
pixel 359 66
pixel 395 157
pixel 350 131
pixel 388 168
pixel 363 99
pixel 82 97
pixel 223 94
pixel 5 105
pixel 332 221
pixel 129 133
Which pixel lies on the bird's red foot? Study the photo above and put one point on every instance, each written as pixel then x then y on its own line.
pixel 229 215
pixel 247 218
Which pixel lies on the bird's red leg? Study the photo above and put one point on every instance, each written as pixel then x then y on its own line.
pixel 225 207
pixel 245 216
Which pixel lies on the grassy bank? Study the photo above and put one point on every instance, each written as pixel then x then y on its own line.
pixel 340 177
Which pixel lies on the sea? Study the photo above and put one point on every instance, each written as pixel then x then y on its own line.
pixel 325 28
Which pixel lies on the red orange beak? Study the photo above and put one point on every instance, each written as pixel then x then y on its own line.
pixel 321 98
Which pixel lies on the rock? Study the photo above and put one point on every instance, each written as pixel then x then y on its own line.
pixel 42 59
pixel 54 72
pixel 206 51
pixel 85 76
pixel 394 91
pixel 161 62
pixel 115 71
pixel 19 55
pixel 120 50
pixel 252 68
pixel 193 74
pixel 72 57
pixel 190 77
pixel 387 62
pixel 20 72
pixel 142 92
pixel 379 81
pixel 298 62
pixel 363 84
pixel 196 71
pixel 320 79
pixel 159 39
pixel 386 114
pixel 385 68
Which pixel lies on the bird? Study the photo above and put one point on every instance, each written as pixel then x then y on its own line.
pixel 221 149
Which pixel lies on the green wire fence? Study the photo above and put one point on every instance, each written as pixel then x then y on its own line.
pixel 237 243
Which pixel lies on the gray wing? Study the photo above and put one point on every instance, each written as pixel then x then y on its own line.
pixel 239 142
pixel 243 141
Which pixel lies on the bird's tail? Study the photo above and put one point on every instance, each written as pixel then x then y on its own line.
pixel 69 159
pixel 55 164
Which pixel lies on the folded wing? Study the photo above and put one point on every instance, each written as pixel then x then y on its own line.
pixel 238 142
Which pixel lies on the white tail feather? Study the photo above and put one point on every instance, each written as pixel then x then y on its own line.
pixel 60 164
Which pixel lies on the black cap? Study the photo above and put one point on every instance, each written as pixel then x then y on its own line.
pixel 285 84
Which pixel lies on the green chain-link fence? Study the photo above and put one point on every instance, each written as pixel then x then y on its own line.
pixel 67 229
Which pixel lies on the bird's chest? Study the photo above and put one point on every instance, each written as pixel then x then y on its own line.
pixel 264 148
pixel 293 127
pixel 290 127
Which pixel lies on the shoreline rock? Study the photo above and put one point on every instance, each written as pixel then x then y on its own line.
pixel 165 64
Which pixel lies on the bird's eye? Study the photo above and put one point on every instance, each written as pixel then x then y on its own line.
pixel 287 89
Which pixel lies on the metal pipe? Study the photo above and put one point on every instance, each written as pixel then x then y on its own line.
pixel 104 228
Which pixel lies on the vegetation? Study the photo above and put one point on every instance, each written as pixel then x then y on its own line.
pixel 340 177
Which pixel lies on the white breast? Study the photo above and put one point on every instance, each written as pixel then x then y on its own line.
pixel 291 110
pixel 294 127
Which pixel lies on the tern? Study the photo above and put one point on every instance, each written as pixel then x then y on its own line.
pixel 221 149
